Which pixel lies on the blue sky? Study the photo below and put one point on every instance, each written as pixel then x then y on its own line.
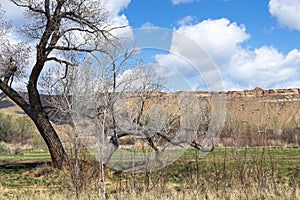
pixel 252 42
pixel 254 14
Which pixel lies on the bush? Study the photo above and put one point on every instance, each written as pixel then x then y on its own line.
pixel 17 130
pixel 24 128
pixel 4 149
pixel 6 127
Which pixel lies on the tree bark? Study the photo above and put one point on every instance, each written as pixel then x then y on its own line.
pixel 56 149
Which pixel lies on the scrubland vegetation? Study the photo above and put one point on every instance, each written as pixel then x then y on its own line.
pixel 249 163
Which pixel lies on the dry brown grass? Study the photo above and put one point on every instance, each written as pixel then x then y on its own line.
pixel 236 193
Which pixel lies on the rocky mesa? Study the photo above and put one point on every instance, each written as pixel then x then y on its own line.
pixel 253 117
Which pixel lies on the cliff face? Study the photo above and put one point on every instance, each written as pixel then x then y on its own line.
pixel 256 117
pixel 253 117
pixel 259 92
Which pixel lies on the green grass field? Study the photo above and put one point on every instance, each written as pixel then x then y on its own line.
pixel 225 173
pixel 39 155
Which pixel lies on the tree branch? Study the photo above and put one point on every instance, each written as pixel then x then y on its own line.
pixel 47 9
pixel 18 99
pixel 60 61
pixel 29 6
pixel 64 48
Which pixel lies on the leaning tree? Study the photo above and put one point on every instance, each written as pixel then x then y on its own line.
pixel 63 32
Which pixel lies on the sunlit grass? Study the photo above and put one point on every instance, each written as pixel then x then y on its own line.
pixel 234 173
pixel 35 155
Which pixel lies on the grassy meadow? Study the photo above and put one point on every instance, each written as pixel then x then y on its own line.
pixel 258 158
pixel 225 173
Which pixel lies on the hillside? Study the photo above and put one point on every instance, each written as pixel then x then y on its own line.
pixel 257 116
pixel 253 117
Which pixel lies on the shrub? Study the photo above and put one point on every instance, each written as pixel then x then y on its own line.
pixel 6 127
pixel 17 130
pixel 24 128
pixel 4 149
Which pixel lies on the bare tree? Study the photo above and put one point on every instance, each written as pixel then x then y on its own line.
pixel 59 28
pixel 114 95
pixel 123 97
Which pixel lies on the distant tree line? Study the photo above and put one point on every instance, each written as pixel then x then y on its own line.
pixel 16 130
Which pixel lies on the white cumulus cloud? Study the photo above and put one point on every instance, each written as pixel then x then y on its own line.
pixel 286 12
pixel 220 37
pixel 114 7
pixel 240 67
pixel 265 67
